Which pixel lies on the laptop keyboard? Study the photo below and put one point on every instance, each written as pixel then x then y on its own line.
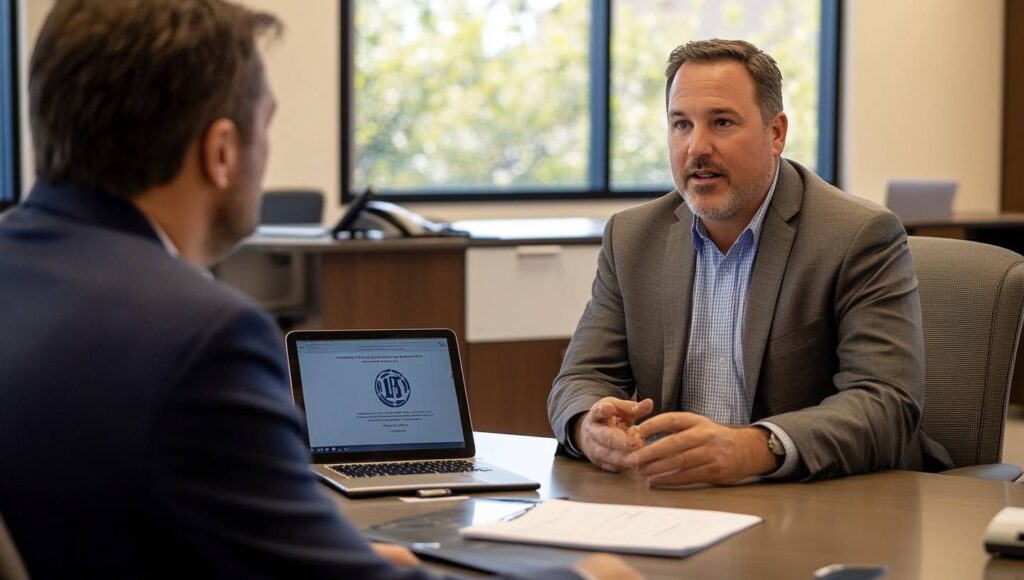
pixel 406 468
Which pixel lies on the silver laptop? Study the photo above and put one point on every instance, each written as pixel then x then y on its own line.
pixel 917 201
pixel 386 413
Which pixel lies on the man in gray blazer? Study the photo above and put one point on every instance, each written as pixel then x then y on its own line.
pixel 759 320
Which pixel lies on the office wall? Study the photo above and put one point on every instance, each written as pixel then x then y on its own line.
pixel 922 97
pixel 303 71
pixel 30 19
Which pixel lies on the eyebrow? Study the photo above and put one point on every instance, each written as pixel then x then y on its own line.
pixel 716 111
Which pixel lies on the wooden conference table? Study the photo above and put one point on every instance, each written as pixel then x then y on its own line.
pixel 920 525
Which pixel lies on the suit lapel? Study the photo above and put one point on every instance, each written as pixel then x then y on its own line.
pixel 676 298
pixel 773 250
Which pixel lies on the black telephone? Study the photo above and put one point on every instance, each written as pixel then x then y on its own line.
pixel 366 214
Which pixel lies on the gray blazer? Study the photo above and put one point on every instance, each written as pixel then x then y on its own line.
pixel 832 347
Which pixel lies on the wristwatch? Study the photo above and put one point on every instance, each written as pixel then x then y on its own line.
pixel 775 445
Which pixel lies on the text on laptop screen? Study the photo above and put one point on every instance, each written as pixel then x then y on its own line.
pixel 379 395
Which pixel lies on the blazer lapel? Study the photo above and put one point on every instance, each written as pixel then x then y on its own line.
pixel 773 250
pixel 676 294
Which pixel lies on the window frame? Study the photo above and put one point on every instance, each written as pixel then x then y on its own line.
pixel 10 160
pixel 598 186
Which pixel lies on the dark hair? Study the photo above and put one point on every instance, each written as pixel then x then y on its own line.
pixel 762 68
pixel 119 89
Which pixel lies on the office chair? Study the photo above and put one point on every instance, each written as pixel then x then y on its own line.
pixel 278 280
pixel 971 304
pixel 11 566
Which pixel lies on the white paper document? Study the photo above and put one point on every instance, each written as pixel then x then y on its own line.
pixel 615 528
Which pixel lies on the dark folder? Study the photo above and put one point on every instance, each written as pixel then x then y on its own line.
pixel 436 536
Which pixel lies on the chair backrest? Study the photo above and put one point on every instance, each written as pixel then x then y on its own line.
pixel 11 566
pixel 971 303
pixel 282 206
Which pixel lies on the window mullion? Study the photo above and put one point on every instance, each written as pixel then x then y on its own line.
pixel 347 99
pixel 600 86
pixel 828 92
pixel 9 186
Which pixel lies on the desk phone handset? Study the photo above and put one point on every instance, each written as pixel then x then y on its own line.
pixel 366 215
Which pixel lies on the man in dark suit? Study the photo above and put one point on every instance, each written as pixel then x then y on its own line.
pixel 146 428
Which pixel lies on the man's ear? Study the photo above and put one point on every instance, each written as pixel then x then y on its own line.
pixel 220 152
pixel 779 128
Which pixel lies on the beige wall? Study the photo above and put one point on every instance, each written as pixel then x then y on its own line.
pixel 922 97
pixel 923 86
pixel 30 20
pixel 303 70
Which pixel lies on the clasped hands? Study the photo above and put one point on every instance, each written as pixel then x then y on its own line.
pixel 694 449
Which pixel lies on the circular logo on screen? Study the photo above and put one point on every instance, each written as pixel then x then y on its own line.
pixel 392 388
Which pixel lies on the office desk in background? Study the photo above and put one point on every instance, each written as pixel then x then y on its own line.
pixel 513 299
pixel 920 525
pixel 1005 230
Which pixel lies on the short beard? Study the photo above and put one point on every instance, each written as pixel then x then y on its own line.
pixel 727 209
pixel 229 227
pixel 732 204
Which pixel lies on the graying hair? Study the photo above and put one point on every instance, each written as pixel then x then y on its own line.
pixel 761 66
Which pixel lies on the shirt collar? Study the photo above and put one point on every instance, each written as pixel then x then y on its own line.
pixel 172 249
pixel 700 234
pixel 164 238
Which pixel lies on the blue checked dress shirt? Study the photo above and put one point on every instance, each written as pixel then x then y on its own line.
pixel 713 379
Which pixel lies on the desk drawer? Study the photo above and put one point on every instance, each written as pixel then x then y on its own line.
pixel 527 292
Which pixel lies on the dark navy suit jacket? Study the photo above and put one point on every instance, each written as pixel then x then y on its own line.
pixel 146 428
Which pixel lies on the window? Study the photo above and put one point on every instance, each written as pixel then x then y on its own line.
pixel 8 108
pixel 553 99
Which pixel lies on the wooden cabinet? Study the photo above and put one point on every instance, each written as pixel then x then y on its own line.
pixel 527 292
pixel 514 309
pixel 1013 114
pixel 508 384
pixel 522 306
pixel 394 289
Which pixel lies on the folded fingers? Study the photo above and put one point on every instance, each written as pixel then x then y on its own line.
pixel 613 437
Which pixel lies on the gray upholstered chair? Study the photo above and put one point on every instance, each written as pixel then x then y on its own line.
pixel 971 301
pixel 11 566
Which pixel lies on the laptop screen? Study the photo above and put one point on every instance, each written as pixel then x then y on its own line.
pixel 373 395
